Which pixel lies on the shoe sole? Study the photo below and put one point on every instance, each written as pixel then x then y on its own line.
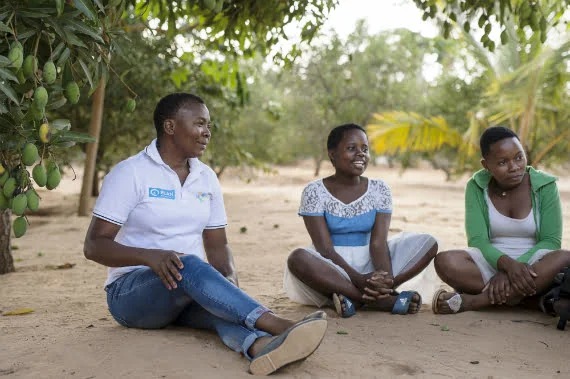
pixel 299 344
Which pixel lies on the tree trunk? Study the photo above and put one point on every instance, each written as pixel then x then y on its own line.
pixel 220 171
pixel 318 162
pixel 6 261
pixel 91 153
pixel 95 189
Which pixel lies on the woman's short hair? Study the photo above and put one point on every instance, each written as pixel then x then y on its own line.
pixel 169 105
pixel 492 135
pixel 336 135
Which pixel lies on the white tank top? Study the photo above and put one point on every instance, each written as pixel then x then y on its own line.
pixel 512 236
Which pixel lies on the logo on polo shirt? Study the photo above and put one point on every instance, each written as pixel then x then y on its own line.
pixel 202 196
pixel 161 193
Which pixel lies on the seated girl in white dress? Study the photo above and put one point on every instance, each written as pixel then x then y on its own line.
pixel 351 261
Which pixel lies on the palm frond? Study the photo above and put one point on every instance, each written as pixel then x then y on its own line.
pixel 394 132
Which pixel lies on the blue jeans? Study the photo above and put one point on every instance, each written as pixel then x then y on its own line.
pixel 204 299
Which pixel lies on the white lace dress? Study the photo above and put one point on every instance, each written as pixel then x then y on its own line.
pixel 350 226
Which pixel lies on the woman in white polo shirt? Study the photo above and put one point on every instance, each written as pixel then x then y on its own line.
pixel 159 214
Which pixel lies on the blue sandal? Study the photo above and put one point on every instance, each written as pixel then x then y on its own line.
pixel 403 302
pixel 349 310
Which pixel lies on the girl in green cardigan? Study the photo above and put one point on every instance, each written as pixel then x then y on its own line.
pixel 513 222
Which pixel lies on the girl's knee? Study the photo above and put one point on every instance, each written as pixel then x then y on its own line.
pixel 295 257
pixel 442 262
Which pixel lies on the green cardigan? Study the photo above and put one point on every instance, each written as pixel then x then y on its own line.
pixel 547 214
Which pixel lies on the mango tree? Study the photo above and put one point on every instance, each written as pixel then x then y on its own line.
pixel 49 51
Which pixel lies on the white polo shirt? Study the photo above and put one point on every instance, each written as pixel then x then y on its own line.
pixel 144 196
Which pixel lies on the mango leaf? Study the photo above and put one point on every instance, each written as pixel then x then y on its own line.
pixel 4 61
pixel 84 29
pixel 86 71
pixel 7 74
pixel 5 28
pixel 5 11
pixel 77 137
pixel 100 5
pixel 32 14
pixel 28 33
pixel 48 10
pixel 61 124
pixel 57 28
pixel 56 104
pixel 59 4
pixel 113 3
pixel 64 56
pixel 16 312
pixel 55 53
pixel 86 6
pixel 71 37
pixel 9 91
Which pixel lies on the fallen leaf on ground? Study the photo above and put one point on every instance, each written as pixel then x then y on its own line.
pixel 60 267
pixel 341 332
pixel 66 266
pixel 474 362
pixel 17 312
pixel 444 328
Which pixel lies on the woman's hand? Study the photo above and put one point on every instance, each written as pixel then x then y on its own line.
pixel 165 264
pixel 376 285
pixel 521 276
pixel 499 288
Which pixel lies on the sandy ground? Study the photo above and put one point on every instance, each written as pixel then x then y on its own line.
pixel 72 335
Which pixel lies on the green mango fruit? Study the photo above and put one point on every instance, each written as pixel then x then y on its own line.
pixel 9 187
pixel 35 113
pixel 30 154
pixel 33 200
pixel 20 76
pixel 53 179
pixel 219 6
pixel 131 105
pixel 50 165
pixel 40 97
pixel 210 4
pixel 19 204
pixel 504 37
pixel 22 177
pixel 30 66
pixel 72 92
pixel 4 178
pixel 39 173
pixel 50 72
pixel 20 226
pixel 3 201
pixel 16 54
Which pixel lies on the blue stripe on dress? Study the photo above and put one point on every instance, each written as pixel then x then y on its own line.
pixel 351 231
